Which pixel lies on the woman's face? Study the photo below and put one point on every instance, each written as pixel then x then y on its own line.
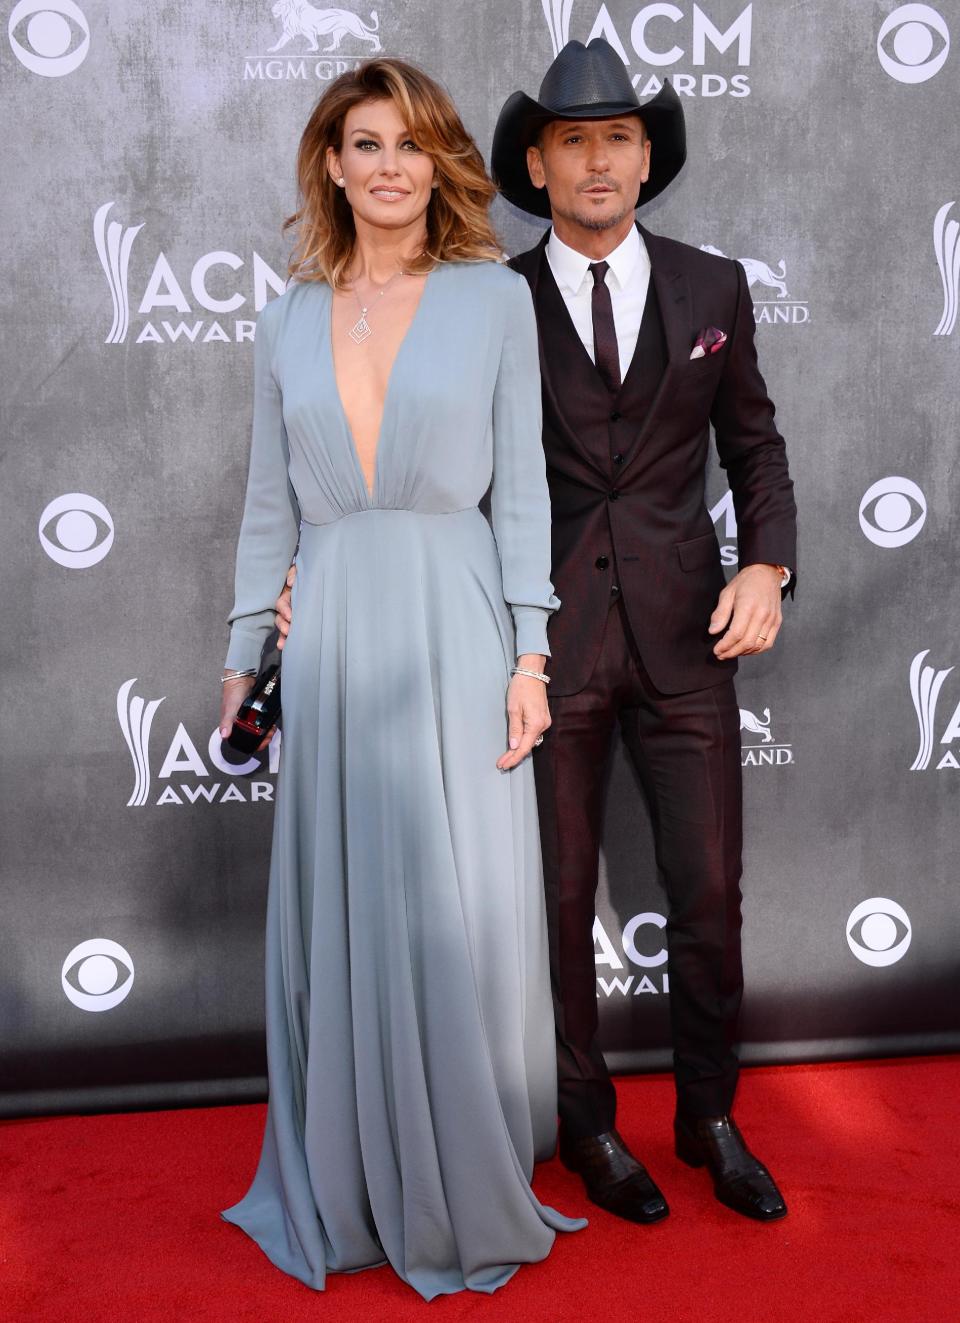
pixel 386 177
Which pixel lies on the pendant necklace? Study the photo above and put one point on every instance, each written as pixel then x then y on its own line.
pixel 361 329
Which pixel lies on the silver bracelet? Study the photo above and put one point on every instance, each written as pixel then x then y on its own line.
pixel 237 675
pixel 534 675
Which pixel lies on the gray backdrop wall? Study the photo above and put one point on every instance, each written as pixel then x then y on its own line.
pixel 148 161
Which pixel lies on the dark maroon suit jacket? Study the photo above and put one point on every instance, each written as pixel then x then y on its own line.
pixel 627 472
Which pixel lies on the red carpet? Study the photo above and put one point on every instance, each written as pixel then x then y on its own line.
pixel 113 1219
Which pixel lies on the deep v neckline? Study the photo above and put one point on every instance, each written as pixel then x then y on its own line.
pixel 370 492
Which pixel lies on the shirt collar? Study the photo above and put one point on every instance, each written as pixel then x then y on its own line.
pixel 571 268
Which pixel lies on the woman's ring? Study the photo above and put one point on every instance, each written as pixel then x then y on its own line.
pixel 538 740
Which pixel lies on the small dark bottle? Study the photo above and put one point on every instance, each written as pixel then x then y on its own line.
pixel 258 712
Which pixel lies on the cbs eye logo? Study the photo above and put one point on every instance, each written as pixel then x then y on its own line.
pixel 76 530
pixel 911 55
pixel 879 932
pixel 46 35
pixel 97 975
pixel 892 522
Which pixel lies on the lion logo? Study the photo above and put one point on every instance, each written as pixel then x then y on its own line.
pixel 301 19
pixel 755 726
pixel 757 271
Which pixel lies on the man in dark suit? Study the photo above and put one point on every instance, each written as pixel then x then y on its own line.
pixel 644 343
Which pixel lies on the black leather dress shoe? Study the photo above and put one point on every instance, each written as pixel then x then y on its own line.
pixel 615 1180
pixel 740 1180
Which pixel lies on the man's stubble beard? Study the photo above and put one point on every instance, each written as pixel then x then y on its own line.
pixel 592 222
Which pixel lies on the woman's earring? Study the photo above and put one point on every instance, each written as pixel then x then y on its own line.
pixel 340 181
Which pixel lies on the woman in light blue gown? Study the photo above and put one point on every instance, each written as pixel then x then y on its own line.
pixel 409 1024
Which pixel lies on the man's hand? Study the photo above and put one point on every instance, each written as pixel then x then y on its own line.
pixel 750 605
pixel 283 609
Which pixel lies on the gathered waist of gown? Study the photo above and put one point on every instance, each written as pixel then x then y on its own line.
pixel 363 533
pixel 404 559
pixel 390 510
pixel 404 551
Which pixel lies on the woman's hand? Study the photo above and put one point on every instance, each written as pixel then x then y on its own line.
pixel 234 692
pixel 528 715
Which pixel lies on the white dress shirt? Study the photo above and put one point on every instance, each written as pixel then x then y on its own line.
pixel 627 280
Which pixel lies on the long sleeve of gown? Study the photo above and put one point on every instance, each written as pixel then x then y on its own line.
pixel 271 514
pixel 520 499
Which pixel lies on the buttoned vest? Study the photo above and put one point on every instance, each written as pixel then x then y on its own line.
pixel 606 424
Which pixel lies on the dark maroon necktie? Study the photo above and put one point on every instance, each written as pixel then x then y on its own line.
pixel 606 355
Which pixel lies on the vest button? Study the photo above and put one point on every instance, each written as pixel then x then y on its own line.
pixel 615 416
pixel 614 496
pixel 602 562
pixel 615 590
pixel 618 458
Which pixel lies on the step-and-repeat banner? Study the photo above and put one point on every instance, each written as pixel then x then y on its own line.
pixel 148 162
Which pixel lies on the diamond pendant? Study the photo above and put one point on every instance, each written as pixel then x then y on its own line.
pixel 361 330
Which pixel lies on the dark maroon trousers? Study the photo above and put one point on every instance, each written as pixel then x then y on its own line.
pixel 686 749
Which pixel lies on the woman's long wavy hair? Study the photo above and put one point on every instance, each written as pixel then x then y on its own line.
pixel 458 222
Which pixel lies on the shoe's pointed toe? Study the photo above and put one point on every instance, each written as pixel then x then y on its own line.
pixel 771 1207
pixel 754 1196
pixel 614 1179
pixel 740 1180
pixel 768 1200
pixel 654 1208
pixel 634 1201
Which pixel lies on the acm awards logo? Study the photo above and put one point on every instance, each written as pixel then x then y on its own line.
pixel 651 35
pixel 49 37
pixel 224 784
pixel 213 286
pixel 724 517
pixel 315 43
pixel 926 683
pixel 615 956
pixel 946 246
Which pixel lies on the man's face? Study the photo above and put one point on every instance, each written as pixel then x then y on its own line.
pixel 592 169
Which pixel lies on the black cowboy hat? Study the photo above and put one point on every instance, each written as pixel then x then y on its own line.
pixel 584 82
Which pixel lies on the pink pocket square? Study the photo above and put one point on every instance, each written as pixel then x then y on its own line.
pixel 710 340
